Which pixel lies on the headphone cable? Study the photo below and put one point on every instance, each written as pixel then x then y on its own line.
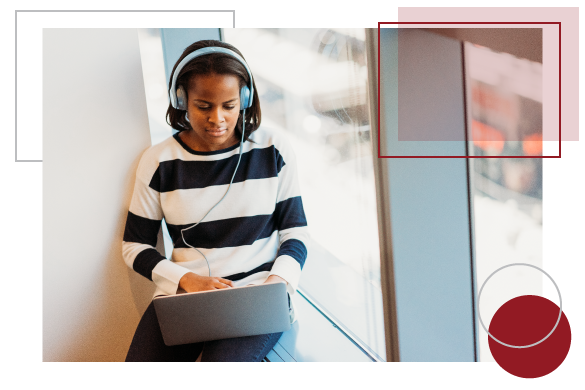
pixel 224 195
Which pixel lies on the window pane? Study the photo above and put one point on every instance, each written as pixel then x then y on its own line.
pixel 312 85
pixel 506 111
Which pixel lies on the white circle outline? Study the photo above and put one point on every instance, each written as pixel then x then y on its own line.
pixel 521 346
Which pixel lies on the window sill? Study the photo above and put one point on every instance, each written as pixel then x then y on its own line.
pixel 313 338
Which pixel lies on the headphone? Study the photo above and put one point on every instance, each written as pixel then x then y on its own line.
pixel 178 101
pixel 179 96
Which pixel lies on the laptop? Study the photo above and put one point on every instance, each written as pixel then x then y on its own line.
pixel 220 314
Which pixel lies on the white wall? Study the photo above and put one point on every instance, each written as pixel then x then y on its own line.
pixel 94 131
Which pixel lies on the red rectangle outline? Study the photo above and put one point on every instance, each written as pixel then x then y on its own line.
pixel 379 154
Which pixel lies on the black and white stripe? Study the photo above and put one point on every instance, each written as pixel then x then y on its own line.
pixel 260 225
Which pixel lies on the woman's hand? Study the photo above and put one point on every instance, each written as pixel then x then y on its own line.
pixel 191 282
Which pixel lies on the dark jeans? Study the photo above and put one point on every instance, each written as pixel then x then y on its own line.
pixel 148 346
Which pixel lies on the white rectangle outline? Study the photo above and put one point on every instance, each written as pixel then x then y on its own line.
pixel 73 11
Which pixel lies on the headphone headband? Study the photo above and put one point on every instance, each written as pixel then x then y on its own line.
pixel 178 96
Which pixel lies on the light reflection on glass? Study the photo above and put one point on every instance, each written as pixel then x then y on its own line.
pixel 506 111
pixel 312 85
pixel 155 85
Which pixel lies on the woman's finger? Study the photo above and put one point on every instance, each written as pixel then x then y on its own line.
pixel 220 285
pixel 226 281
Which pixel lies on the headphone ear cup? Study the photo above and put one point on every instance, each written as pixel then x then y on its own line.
pixel 181 98
pixel 245 98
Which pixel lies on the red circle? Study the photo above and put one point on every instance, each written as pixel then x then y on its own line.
pixel 523 321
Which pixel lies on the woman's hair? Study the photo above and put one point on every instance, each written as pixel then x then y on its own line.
pixel 218 63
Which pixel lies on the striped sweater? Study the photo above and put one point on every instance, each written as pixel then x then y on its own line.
pixel 259 229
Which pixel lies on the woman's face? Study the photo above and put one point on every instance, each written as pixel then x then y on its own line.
pixel 213 109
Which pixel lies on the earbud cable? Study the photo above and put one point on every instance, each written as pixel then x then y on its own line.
pixel 224 195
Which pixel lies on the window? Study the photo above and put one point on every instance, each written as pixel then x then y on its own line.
pixel 313 87
pixel 505 93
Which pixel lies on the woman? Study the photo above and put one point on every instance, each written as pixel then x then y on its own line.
pixel 229 194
